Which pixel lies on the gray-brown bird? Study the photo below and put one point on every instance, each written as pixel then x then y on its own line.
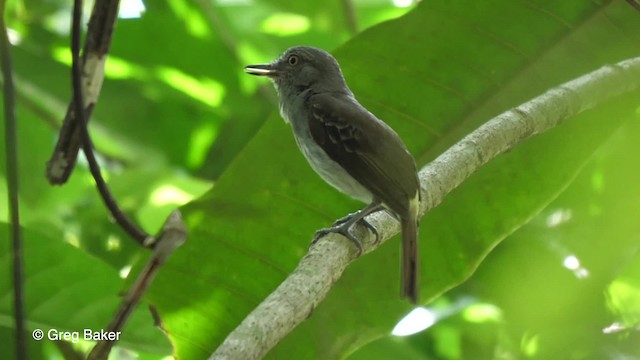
pixel 348 146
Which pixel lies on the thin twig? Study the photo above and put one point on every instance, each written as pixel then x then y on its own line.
pixel 129 226
pixel 296 298
pixel 98 41
pixel 174 232
pixel 173 235
pixel 11 152
pixel 49 109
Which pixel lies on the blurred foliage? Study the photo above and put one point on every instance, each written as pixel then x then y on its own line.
pixel 177 115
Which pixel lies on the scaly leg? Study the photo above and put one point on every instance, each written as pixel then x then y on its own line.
pixel 343 225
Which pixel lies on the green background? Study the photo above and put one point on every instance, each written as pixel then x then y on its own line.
pixel 179 123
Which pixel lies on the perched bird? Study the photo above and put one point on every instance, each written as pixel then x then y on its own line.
pixel 348 146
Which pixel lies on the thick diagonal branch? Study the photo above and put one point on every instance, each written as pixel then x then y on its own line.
pixel 293 301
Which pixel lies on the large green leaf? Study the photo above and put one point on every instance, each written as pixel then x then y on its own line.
pixel 173 101
pixel 584 241
pixel 69 290
pixel 434 75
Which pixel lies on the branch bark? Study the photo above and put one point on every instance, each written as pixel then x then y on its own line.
pixel 296 298
pixel 80 119
pixel 94 57
pixel 174 234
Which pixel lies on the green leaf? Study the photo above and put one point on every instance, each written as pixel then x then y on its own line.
pixel 68 290
pixel 433 75
pixel 581 243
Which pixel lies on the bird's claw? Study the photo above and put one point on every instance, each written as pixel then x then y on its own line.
pixel 372 229
pixel 342 230
pixel 342 226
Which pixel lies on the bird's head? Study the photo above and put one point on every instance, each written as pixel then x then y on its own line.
pixel 301 68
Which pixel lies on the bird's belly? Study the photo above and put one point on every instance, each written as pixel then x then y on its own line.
pixel 332 172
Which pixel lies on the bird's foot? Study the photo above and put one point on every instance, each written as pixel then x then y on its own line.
pixel 345 219
pixel 342 230
pixel 342 226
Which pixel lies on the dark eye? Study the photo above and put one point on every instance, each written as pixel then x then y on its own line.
pixel 293 60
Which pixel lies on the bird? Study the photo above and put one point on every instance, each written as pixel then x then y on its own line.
pixel 349 148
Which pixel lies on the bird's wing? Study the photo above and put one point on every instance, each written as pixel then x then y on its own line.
pixel 367 148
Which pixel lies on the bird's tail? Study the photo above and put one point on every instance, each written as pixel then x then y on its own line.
pixel 410 270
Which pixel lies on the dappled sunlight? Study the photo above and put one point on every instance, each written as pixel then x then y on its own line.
pixel 169 194
pixel 124 271
pixel 113 243
pixel 572 263
pixel 482 312
pixel 194 22
pixel 623 301
pixel 114 68
pixel 614 328
pixel 15 38
pixel 58 22
pixel 71 237
pixel 284 24
pixel 61 54
pixel 530 344
pixel 417 320
pixel 118 68
pixel 402 3
pixel 422 318
pixel 202 137
pixel 166 193
pixel 206 90
pixel 250 54
pixel 569 260
pixel 4 199
pixel 559 217
pixel 131 9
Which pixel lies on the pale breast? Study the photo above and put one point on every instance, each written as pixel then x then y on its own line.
pixel 332 172
pixel 329 170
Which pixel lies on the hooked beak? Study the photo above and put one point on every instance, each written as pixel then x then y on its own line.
pixel 261 70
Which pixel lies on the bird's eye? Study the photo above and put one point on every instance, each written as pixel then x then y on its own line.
pixel 293 60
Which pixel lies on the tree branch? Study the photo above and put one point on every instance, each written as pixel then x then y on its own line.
pixel 174 231
pixel 635 4
pixel 81 117
pixel 174 234
pixel 11 153
pixel 94 56
pixel 296 298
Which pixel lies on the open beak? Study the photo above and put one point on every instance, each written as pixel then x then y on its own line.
pixel 261 70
